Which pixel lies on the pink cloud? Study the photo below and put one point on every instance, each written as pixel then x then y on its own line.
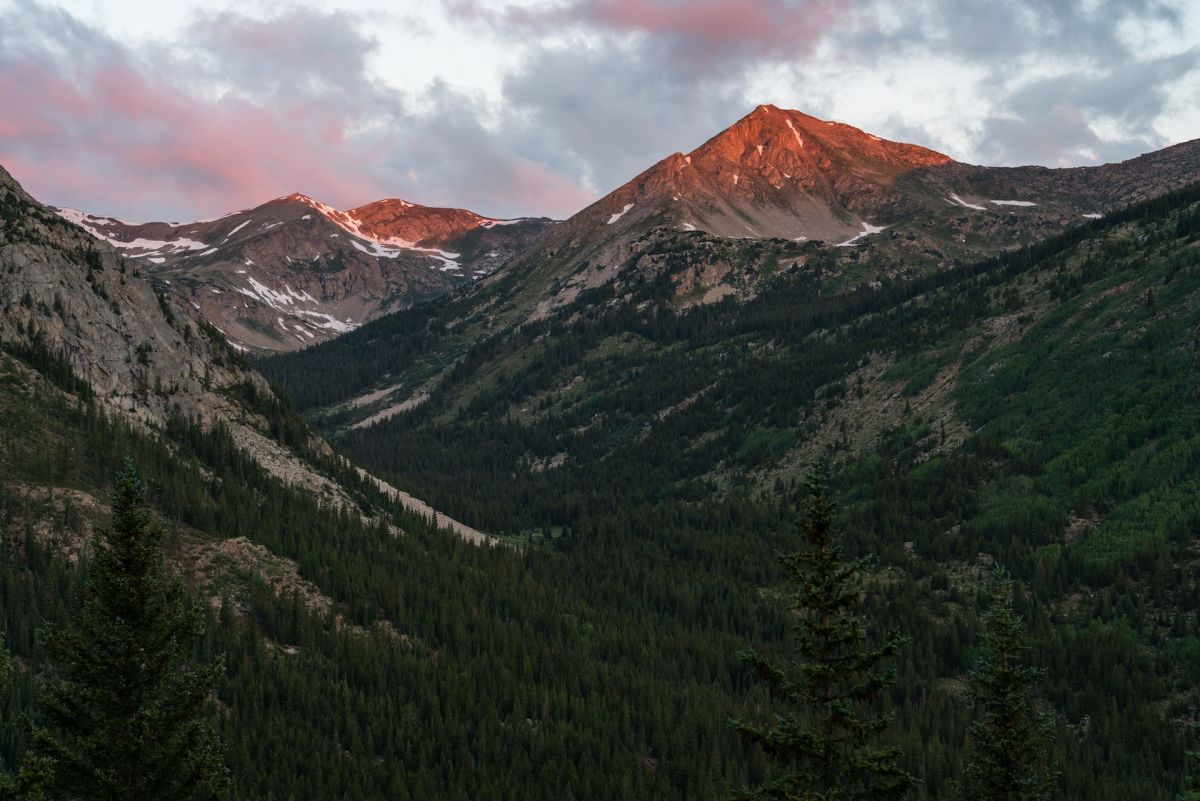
pixel 246 112
pixel 699 31
pixel 775 25
pixel 120 140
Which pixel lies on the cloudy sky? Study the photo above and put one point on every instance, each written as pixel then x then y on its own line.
pixel 168 109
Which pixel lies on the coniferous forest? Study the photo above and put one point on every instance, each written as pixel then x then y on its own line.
pixel 1012 584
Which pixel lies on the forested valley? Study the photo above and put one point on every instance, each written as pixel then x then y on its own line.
pixel 644 467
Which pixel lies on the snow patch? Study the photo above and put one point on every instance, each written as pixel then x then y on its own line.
pixel 618 215
pixel 796 133
pixel 375 249
pixel 1093 216
pixel 959 201
pixel 447 259
pixel 735 179
pixel 235 230
pixel 89 223
pixel 380 250
pixel 329 322
pixel 867 230
pixel 1012 202
pixel 276 300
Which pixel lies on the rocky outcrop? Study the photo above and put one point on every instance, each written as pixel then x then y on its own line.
pixel 138 348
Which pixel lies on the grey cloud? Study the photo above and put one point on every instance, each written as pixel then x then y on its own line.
pixel 998 34
pixel 1052 121
pixel 598 112
pixel 299 55
pixel 447 157
pixel 648 83
pixel 32 29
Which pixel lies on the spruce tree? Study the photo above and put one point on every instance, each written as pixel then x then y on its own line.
pixel 1009 741
pixel 122 711
pixel 1191 779
pixel 7 786
pixel 825 740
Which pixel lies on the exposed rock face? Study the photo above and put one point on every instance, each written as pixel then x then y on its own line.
pixel 782 174
pixel 421 225
pixel 295 271
pixel 138 349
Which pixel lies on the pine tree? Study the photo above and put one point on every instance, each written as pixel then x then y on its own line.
pixel 123 709
pixel 1191 781
pixel 7 787
pixel 826 741
pixel 1008 744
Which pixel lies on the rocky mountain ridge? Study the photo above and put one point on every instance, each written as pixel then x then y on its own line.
pixel 294 271
pixel 789 180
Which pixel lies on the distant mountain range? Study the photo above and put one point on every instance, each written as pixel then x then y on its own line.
pixel 786 178
pixel 295 271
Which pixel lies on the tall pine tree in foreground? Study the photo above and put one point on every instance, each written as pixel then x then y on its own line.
pixel 825 739
pixel 122 711
pixel 1009 741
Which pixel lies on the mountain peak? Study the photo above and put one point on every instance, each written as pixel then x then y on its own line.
pixel 769 132
pixel 775 172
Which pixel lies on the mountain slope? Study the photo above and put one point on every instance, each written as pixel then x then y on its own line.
pixel 75 304
pixel 1039 409
pixel 295 271
pixel 645 244
pixel 368 655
